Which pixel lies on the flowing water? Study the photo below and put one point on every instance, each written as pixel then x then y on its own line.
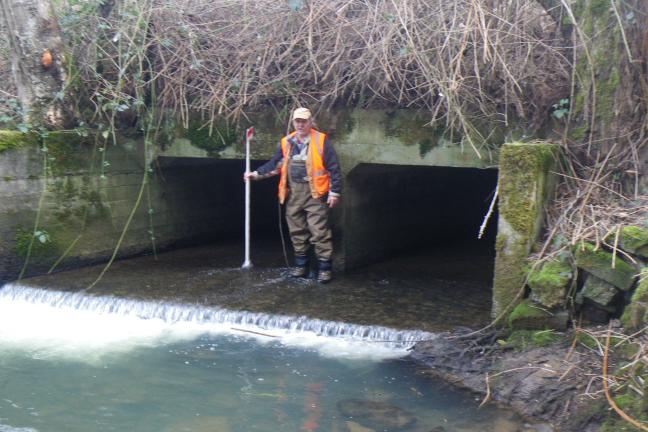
pixel 130 356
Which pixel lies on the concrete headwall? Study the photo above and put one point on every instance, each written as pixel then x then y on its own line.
pixel 398 137
pixel 84 208
pixel 525 184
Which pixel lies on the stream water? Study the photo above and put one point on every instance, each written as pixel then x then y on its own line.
pixel 144 361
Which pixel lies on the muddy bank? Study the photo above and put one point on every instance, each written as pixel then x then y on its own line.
pixel 557 383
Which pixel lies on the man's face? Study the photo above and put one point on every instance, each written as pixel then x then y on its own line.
pixel 302 127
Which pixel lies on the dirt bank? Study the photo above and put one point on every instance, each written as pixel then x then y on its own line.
pixel 558 383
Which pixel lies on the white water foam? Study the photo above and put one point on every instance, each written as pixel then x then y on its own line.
pixel 5 428
pixel 84 327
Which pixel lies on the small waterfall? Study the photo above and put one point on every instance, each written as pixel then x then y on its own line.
pixel 183 313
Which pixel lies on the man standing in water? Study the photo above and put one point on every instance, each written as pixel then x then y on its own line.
pixel 310 184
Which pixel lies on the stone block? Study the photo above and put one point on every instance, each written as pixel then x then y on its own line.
pixel 530 316
pixel 549 283
pixel 601 293
pixel 634 239
pixel 634 316
pixel 599 263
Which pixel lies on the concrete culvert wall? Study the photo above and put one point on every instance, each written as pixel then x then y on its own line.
pixel 393 208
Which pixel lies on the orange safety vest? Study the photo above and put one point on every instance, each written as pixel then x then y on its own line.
pixel 318 176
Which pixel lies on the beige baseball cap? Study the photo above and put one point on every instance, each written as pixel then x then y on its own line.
pixel 301 113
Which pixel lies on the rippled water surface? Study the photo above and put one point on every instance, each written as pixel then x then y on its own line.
pixel 189 342
pixel 69 367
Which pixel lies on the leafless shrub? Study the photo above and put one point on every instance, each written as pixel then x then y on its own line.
pixel 473 65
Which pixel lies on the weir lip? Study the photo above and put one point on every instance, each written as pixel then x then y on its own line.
pixel 250 322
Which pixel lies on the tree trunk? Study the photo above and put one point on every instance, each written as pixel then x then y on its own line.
pixel 37 61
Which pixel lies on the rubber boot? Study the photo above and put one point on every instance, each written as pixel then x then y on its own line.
pixel 324 274
pixel 301 267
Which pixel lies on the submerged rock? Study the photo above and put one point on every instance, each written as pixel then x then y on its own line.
pixel 380 415
pixel 355 427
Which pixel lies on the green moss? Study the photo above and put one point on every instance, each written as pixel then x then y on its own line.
pixel 614 424
pixel 523 167
pixel 410 127
pixel 625 401
pixel 43 245
pixel 606 88
pixel 522 190
pixel 634 314
pixel 14 139
pixel 524 339
pixel 594 17
pixel 221 136
pixel 587 340
pixel 634 239
pixel 599 7
pixel 578 133
pixel 66 152
pixel 549 282
pixel 630 403
pixel 599 263
pixel 628 350
pixel 509 270
pixel 524 311
pixel 7 178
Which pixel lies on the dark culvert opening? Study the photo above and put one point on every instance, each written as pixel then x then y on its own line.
pixel 434 213
pixel 391 213
pixel 207 195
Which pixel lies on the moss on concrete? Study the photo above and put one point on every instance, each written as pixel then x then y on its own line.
pixel 14 139
pixel 523 169
pixel 509 268
pixel 66 152
pixel 212 140
pixel 523 189
pixel 594 18
pixel 634 239
pixel 549 282
pixel 599 263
